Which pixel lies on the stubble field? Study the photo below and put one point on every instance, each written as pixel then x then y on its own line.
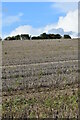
pixel 40 79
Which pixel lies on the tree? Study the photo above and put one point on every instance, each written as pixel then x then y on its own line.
pixel 67 37
pixel 12 38
pixel 51 36
pixel 44 36
pixel 25 36
pixel 7 38
pixel 57 36
pixel 0 39
pixel 28 37
pixel 17 37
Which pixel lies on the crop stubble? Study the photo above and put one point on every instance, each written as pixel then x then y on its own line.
pixel 47 69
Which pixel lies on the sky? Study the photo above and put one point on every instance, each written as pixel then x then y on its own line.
pixel 35 18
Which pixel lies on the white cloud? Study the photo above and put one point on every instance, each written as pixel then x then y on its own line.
pixel 12 19
pixel 26 29
pixel 60 31
pixel 68 24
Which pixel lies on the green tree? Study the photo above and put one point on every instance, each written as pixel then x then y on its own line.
pixel 17 37
pixel 25 36
pixel 67 37
pixel 44 36
pixel 57 36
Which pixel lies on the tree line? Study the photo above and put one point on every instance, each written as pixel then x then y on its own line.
pixel 41 36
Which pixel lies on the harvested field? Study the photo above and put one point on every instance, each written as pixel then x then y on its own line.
pixel 28 52
pixel 40 79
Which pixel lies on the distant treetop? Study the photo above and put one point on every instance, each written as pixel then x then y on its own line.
pixel 67 37
pixel 41 36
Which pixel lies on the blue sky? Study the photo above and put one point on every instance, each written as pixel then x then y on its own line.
pixel 36 17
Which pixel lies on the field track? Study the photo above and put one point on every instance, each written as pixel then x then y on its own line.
pixel 46 63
